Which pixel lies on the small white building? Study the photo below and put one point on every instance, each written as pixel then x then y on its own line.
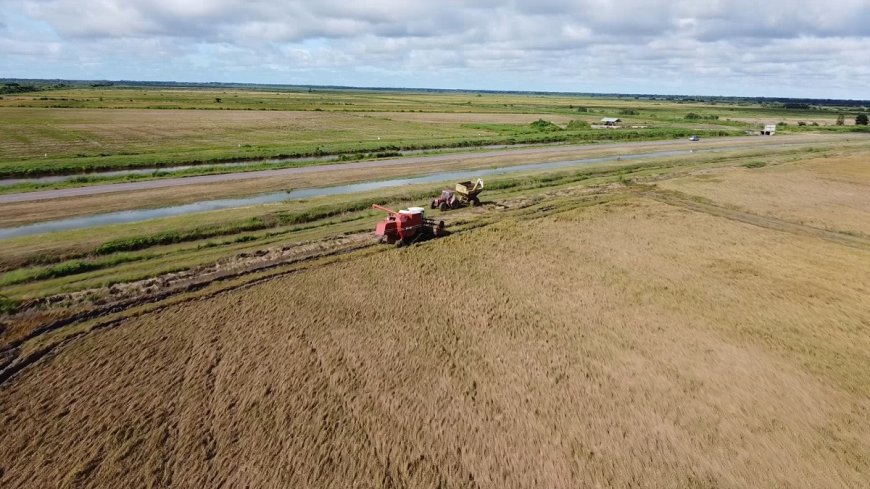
pixel 769 130
pixel 610 121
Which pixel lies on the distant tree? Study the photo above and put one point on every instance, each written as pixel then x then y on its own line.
pixel 841 119
pixel 217 100
pixel 861 120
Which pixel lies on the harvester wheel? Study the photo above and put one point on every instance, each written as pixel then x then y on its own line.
pixel 400 242
pixel 432 204
pixel 443 206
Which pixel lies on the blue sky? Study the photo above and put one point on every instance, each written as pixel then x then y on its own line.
pixel 799 48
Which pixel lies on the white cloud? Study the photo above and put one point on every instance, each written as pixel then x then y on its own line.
pixel 730 47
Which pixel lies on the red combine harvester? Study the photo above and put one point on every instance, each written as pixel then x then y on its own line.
pixel 406 226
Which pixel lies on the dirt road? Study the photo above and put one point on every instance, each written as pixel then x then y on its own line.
pixel 531 153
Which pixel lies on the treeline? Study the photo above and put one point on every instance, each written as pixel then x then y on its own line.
pixel 7 88
pixel 795 103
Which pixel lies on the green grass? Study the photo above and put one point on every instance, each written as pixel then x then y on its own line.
pixel 72 267
pixel 80 138
pixel 171 237
pixel 187 243
pixel 490 134
pixel 38 138
pixel 7 305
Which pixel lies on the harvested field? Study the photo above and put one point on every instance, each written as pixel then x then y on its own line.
pixel 28 132
pixel 830 193
pixel 627 344
pixel 477 118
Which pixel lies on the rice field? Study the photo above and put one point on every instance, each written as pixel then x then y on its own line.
pixel 831 192
pixel 636 342
pixel 83 130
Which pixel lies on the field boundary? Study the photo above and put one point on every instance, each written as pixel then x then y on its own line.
pixel 699 204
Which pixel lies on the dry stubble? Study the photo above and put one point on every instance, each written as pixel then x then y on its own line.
pixel 634 344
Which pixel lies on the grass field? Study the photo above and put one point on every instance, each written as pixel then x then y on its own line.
pixel 75 131
pixel 680 325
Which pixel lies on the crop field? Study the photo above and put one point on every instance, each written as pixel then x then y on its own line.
pixel 829 193
pixel 700 323
pixel 75 131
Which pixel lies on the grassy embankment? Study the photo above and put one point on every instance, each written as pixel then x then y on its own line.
pixel 41 266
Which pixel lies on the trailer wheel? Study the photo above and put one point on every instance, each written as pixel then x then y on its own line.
pixel 475 202
pixel 432 204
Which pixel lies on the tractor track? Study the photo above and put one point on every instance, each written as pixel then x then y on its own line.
pixel 541 206
pixel 11 363
pixel 767 222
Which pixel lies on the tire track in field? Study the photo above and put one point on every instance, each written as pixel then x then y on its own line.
pixel 688 202
pixel 12 362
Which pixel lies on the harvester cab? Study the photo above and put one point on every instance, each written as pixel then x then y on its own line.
pixel 406 226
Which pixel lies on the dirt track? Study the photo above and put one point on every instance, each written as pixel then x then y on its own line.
pixel 724 143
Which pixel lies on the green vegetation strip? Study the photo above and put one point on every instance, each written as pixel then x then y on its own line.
pixel 539 132
pixel 25 276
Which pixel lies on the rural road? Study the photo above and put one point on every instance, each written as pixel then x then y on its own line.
pixel 731 143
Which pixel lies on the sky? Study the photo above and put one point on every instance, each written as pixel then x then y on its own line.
pixel 773 48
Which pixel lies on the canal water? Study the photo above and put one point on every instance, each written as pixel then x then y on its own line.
pixel 122 217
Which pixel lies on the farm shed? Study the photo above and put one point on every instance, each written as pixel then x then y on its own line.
pixel 610 121
pixel 769 130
